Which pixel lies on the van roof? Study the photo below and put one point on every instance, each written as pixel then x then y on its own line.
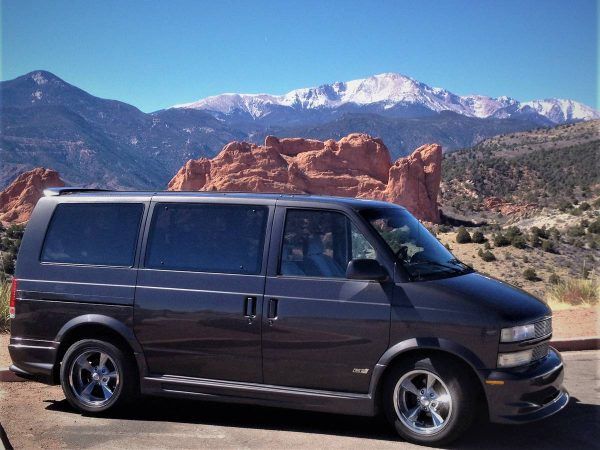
pixel 90 194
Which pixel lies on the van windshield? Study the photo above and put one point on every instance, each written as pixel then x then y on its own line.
pixel 419 252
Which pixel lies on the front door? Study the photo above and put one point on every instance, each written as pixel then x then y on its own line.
pixel 200 288
pixel 321 330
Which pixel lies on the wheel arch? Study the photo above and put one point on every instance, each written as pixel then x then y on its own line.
pixel 96 326
pixel 426 347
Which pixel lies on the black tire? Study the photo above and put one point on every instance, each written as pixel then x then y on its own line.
pixel 123 385
pixel 460 386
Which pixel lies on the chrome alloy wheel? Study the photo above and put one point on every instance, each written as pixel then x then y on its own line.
pixel 94 378
pixel 422 402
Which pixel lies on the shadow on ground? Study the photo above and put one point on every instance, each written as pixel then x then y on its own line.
pixel 574 427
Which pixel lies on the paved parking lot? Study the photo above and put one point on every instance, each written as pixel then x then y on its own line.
pixel 35 416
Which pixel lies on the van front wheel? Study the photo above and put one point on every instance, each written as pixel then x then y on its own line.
pixel 97 376
pixel 429 401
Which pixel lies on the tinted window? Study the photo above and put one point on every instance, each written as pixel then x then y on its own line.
pixel 93 233
pixel 320 244
pixel 207 238
pixel 420 253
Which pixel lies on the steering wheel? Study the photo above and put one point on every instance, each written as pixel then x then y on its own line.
pixel 402 253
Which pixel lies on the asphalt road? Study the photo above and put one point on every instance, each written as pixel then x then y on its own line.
pixel 37 416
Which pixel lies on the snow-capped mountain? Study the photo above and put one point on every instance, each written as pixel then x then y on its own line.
pixel 561 110
pixel 390 94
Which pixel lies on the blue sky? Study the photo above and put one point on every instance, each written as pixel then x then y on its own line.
pixel 154 54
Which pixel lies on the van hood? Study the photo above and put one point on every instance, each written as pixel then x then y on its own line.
pixel 510 303
pixel 482 295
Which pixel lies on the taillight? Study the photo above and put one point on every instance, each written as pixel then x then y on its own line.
pixel 13 298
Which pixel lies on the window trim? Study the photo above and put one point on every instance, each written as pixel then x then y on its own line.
pixel 136 240
pixel 278 273
pixel 148 236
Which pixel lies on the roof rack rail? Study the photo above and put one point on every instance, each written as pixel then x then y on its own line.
pixel 54 191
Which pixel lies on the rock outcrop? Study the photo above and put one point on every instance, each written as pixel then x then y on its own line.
pixel 507 208
pixel 19 198
pixel 355 166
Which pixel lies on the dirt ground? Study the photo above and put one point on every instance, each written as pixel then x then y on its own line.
pixel 4 357
pixel 575 322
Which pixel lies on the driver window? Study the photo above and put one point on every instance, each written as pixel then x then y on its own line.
pixel 320 244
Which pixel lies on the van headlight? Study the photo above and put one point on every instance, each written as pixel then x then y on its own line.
pixel 515 359
pixel 520 333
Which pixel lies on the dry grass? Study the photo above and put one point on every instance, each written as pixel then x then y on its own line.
pixel 4 301
pixel 574 292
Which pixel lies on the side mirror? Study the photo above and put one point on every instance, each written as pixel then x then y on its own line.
pixel 365 269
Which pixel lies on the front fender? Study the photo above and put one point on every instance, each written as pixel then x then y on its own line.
pixel 407 345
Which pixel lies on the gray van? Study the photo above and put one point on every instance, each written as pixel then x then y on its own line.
pixel 318 303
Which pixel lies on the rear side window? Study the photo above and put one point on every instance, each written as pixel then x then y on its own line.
pixel 93 233
pixel 207 238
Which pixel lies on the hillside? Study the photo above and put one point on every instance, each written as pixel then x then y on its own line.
pixel 543 168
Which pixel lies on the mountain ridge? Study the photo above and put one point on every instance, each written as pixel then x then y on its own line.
pixel 388 91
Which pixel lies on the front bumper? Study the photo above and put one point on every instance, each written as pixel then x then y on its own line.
pixel 523 395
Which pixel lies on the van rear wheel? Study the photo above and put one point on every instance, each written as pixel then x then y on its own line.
pixel 429 401
pixel 97 376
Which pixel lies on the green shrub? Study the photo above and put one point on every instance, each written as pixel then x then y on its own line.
pixel 564 205
pixel 478 237
pixel 554 279
pixel 463 236
pixel 539 232
pixel 15 231
pixel 530 274
pixel 512 232
pixel 594 227
pixel 7 263
pixel 486 255
pixel 576 231
pixel 535 241
pixel 501 240
pixel 549 246
pixel 518 241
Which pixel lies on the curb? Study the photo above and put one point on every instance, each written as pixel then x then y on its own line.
pixel 576 344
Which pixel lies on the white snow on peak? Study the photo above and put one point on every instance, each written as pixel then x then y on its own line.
pixel 389 90
pixel 39 78
pixel 562 110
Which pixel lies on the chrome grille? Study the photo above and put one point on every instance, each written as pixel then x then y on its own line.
pixel 540 351
pixel 543 328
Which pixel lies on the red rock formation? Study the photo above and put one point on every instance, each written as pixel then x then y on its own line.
pixel 355 166
pixel 507 208
pixel 19 198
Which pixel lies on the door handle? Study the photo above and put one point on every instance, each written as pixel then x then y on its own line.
pixel 272 310
pixel 250 307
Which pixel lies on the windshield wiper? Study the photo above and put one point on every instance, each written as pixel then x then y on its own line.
pixel 446 268
pixel 465 267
